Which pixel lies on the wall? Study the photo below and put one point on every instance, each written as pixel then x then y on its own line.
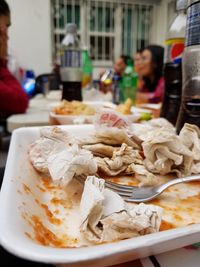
pixel 30 34
pixel 164 13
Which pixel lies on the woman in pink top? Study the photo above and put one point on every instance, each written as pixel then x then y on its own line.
pixel 151 70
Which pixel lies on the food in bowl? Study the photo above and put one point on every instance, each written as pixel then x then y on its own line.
pixel 73 108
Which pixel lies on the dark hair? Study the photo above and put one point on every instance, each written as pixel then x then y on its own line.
pixel 157 53
pixel 4 8
pixel 126 58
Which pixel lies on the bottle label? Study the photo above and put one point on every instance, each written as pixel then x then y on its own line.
pixel 193 25
pixel 174 50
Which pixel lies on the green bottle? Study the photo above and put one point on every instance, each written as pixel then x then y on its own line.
pixel 129 83
pixel 87 68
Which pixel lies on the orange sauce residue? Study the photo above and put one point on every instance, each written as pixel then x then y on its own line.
pixel 114 180
pixel 26 189
pixel 41 188
pixel 56 211
pixel 177 217
pixel 37 201
pixel 166 226
pixel 133 183
pixel 28 235
pixel 44 236
pixel 48 185
pixel 50 215
pixel 64 202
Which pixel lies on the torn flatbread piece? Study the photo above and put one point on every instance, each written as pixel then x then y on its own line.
pixel 53 154
pixel 113 137
pixel 64 165
pixel 122 157
pixel 101 150
pixel 105 217
pixel 52 140
pixel 165 153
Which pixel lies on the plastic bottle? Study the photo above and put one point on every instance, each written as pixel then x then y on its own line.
pixel 129 83
pixel 190 104
pixel 28 82
pixel 87 70
pixel 71 69
pixel 116 84
pixel 173 88
pixel 173 64
pixel 176 35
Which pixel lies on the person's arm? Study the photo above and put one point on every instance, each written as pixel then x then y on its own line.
pixel 12 97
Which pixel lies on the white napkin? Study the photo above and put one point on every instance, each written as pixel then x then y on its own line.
pixel 69 162
pixel 54 155
pixel 105 217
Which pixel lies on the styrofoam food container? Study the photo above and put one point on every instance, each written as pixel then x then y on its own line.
pixel 78 119
pixel 13 226
pixel 84 119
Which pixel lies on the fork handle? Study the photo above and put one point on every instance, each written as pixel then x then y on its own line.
pixel 180 180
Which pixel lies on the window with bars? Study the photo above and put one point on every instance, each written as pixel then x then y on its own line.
pixel 108 28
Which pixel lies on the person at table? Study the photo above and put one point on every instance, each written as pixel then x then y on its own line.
pixel 137 59
pixel 151 70
pixel 118 69
pixel 12 97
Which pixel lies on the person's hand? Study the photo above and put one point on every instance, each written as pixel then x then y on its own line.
pixel 3 44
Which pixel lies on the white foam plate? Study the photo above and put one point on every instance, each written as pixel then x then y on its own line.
pixel 13 226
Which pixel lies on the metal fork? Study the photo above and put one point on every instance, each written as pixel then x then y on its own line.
pixel 143 194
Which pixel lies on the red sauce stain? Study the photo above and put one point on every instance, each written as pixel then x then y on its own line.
pixel 56 211
pixel 37 201
pixel 26 189
pixel 28 235
pixel 166 226
pixel 133 183
pixel 50 215
pixel 48 185
pixel 46 237
pixel 41 188
pixel 177 217
pixel 66 203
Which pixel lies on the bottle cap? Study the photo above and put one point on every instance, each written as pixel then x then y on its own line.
pixel 71 28
pixel 181 5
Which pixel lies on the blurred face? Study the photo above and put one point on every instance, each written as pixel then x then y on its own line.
pixel 4 25
pixel 147 67
pixel 119 66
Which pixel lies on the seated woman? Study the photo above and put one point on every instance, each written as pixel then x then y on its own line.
pixel 12 97
pixel 151 70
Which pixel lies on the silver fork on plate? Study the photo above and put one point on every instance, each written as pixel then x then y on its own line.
pixel 143 194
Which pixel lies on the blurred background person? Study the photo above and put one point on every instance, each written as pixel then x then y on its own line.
pixel 137 58
pixel 121 64
pixel 12 97
pixel 151 71
pixel 106 76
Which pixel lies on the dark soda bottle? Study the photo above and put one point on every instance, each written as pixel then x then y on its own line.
pixel 71 70
pixel 190 105
pixel 173 88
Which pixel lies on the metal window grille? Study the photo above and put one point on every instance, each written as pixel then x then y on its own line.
pixel 108 28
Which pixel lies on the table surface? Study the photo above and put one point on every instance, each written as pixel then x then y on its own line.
pixel 36 115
